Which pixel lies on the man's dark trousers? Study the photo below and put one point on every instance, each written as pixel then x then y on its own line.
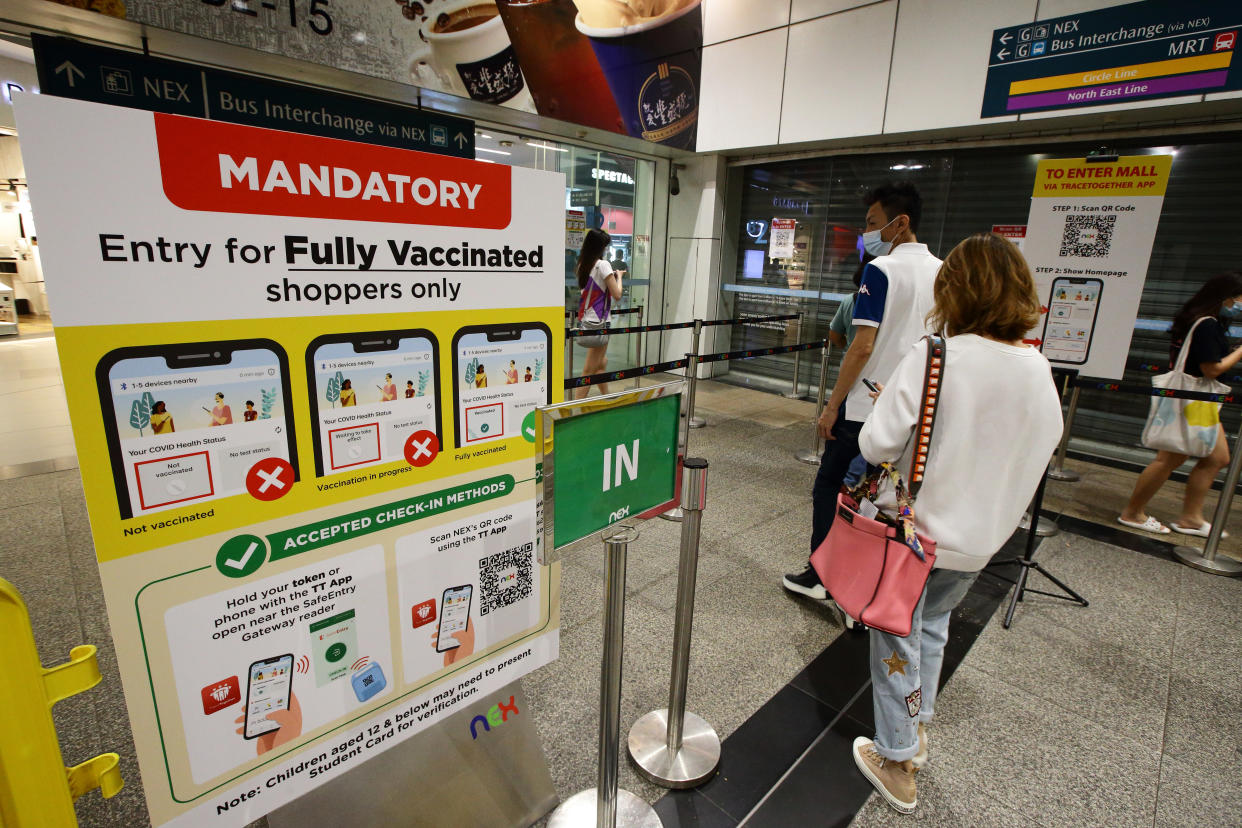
pixel 833 467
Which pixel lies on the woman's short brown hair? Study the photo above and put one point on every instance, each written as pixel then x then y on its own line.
pixel 984 287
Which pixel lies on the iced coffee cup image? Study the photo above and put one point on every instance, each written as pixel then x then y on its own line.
pixel 650 51
pixel 464 49
pixel 559 64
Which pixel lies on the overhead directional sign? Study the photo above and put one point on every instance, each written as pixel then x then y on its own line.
pixel 92 73
pixel 1139 51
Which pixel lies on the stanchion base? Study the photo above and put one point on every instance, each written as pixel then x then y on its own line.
pixel 808 456
pixel 674 514
pixel 790 395
pixel 1193 557
pixel 697 422
pixel 1064 475
pixel 1045 529
pixel 580 811
pixel 689 767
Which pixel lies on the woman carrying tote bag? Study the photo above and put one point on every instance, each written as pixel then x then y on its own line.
pixel 997 423
pixel 1179 429
pixel 600 285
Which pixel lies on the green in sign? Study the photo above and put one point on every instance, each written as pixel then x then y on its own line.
pixel 612 464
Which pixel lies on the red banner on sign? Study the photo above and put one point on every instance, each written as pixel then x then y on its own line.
pixel 229 168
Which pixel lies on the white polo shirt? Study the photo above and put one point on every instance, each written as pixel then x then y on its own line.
pixel 895 298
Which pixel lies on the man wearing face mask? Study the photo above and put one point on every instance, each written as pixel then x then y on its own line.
pixel 893 301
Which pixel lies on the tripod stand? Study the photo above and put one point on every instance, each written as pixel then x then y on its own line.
pixel 1027 563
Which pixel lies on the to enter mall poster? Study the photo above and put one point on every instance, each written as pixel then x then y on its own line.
pixel 1088 242
pixel 298 372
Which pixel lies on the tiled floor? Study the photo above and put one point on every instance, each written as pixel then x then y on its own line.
pixel 1123 713
pixel 33 412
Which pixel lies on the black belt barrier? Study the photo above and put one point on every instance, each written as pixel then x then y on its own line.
pixel 759 352
pixel 573 333
pixel 614 376
pixel 1097 384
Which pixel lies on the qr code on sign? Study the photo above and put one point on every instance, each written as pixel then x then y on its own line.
pixel 505 578
pixel 1088 236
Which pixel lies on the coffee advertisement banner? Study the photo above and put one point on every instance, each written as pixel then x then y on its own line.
pixel 301 373
pixel 626 66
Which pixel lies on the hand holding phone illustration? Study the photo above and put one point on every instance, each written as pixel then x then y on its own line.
pixel 288 726
pixel 465 644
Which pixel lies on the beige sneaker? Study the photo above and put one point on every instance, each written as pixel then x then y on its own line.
pixel 920 758
pixel 894 780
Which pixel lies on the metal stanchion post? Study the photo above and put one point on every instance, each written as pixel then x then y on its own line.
pixel 683 439
pixel 606 805
pixel 640 336
pixel 692 371
pixel 1045 528
pixel 1207 560
pixel 795 393
pixel 1058 470
pixel 569 360
pixel 811 456
pixel 673 747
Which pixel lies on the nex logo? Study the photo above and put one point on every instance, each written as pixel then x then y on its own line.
pixel 497 714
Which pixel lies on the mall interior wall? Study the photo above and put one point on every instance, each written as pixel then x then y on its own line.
pixel 783 73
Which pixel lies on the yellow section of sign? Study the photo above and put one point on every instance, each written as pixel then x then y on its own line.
pixel 1156 69
pixel 83 348
pixel 1130 175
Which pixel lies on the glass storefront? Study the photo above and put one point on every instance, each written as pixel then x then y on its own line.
pixel 964 192
pixel 602 189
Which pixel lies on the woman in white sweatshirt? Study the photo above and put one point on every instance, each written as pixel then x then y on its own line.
pixel 997 424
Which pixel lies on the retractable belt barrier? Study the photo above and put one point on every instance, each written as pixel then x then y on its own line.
pixel 1204 559
pixel 573 333
pixel 1097 384
pixel 622 312
pixel 614 376
pixel 760 352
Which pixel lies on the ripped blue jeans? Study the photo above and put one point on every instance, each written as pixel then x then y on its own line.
pixel 905 672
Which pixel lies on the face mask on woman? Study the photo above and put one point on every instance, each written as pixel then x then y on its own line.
pixel 874 244
pixel 1232 311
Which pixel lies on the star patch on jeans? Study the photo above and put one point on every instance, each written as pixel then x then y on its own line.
pixel 914 702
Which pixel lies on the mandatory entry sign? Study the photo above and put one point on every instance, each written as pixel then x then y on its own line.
pixel 270 342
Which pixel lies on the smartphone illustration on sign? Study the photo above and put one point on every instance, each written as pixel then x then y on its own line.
pixel 267 690
pixel 454 616
pixel 1073 308
pixel 500 374
pixel 186 423
pixel 368 393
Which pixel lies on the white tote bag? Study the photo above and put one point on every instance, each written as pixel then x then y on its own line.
pixel 1184 426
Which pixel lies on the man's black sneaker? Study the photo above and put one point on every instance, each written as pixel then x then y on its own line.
pixel 805 583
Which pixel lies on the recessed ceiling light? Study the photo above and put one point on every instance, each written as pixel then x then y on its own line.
pixel 494 152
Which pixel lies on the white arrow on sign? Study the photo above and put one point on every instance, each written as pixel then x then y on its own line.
pixel 1002 54
pixel 1005 38
pixel 461 140
pixel 69 69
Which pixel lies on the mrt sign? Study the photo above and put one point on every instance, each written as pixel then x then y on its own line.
pixel 607 459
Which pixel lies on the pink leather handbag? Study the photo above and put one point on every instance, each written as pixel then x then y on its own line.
pixel 876 568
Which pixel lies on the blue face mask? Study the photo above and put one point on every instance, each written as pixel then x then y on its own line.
pixel 1232 312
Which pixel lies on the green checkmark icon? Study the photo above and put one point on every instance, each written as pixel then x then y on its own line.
pixel 241 556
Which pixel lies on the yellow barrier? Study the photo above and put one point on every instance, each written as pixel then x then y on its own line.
pixel 35 786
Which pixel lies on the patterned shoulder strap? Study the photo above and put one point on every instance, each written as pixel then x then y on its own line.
pixel 933 376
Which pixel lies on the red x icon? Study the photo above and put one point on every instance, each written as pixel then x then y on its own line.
pixel 421 448
pixel 270 478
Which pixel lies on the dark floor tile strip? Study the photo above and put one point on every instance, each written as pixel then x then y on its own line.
pixel 836 680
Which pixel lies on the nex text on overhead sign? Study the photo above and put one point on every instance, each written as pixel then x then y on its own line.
pixel 1139 51
pixel 112 76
